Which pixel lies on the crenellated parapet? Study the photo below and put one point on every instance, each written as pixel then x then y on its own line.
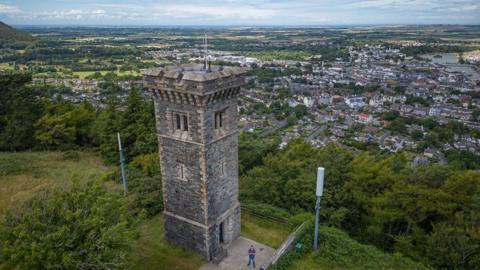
pixel 191 98
pixel 191 84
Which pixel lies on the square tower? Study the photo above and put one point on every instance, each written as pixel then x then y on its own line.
pixel 196 121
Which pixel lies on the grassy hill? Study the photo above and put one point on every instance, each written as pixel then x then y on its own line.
pixel 9 33
pixel 24 173
pixel 337 251
pixel 152 252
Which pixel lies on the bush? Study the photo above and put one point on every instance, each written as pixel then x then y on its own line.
pixel 145 194
pixel 84 228
pixel 148 164
pixel 305 237
pixel 266 209
pixel 336 250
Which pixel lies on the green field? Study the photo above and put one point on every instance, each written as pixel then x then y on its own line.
pixel 84 74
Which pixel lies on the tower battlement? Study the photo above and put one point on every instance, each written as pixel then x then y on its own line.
pixel 194 78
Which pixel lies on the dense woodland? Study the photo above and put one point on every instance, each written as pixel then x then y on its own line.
pixel 429 213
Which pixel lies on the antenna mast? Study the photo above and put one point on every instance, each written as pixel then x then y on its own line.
pixel 122 164
pixel 206 52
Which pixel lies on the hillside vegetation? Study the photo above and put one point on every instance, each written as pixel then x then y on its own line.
pixel 9 33
pixel 428 213
pixel 338 251
pixel 152 252
pixel 27 175
pixel 22 174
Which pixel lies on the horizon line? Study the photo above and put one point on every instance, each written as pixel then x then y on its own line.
pixel 243 25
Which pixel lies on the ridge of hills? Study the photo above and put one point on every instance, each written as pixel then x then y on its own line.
pixel 11 34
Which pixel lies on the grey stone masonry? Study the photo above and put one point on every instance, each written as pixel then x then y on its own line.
pixel 196 117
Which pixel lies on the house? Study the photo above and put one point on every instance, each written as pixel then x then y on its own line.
pixel 355 102
pixel 365 118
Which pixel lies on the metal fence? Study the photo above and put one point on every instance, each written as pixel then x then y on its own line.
pixel 272 218
pixel 288 243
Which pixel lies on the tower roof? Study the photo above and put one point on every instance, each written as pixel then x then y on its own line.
pixel 195 72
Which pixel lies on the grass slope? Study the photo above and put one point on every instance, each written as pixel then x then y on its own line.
pixel 263 230
pixel 24 173
pixel 9 33
pixel 152 252
pixel 337 251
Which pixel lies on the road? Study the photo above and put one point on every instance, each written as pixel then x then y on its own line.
pixel 317 132
pixel 279 125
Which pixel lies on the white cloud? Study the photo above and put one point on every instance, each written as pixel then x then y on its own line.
pixel 217 13
pixel 67 15
pixel 373 3
pixel 464 8
pixel 247 12
pixel 9 9
pixel 98 11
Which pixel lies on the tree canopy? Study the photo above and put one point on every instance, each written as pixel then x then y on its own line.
pixel 428 213
pixel 82 228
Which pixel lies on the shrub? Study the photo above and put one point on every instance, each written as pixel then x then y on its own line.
pixel 84 228
pixel 266 209
pixel 145 194
pixel 305 237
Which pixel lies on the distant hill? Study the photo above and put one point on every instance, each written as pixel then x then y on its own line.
pixel 9 33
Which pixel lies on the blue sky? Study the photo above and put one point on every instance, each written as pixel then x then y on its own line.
pixel 236 12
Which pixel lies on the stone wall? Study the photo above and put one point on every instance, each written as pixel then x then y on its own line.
pixel 184 197
pixel 185 234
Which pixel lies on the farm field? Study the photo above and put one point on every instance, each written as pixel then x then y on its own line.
pixel 84 74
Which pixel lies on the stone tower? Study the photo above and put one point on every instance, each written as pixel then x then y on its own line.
pixel 196 115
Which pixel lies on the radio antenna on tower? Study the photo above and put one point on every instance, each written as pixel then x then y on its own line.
pixel 205 66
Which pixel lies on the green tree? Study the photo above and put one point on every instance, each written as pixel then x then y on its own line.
pixel 252 150
pixel 65 125
pixel 145 185
pixel 417 135
pixel 390 115
pixel 300 111
pixel 107 125
pixel 475 115
pixel 19 111
pixel 137 125
pixel 455 244
pixel 82 228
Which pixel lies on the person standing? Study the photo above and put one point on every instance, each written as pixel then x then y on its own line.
pixel 251 256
